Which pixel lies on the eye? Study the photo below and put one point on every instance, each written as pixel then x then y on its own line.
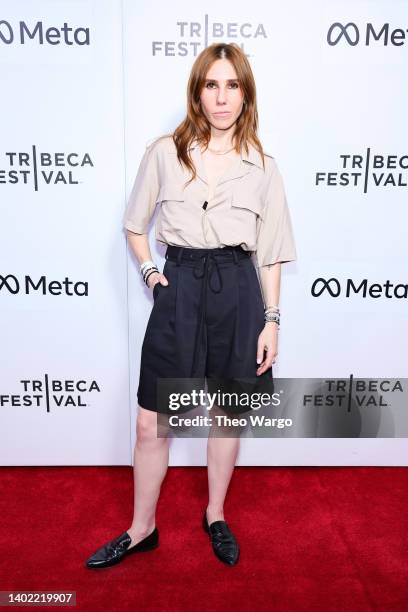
pixel 234 85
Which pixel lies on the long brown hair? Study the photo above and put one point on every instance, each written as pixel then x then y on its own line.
pixel 195 124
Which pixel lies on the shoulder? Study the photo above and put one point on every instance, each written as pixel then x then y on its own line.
pixel 272 170
pixel 155 155
pixel 270 159
pixel 271 165
pixel 265 163
pixel 161 144
pixel 271 175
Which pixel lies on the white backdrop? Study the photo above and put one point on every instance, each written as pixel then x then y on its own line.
pixel 79 106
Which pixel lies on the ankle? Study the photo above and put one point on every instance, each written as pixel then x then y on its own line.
pixel 138 532
pixel 215 513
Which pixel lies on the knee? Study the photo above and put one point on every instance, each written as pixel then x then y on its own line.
pixel 146 428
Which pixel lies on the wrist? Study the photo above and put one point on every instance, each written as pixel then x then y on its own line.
pixel 148 268
pixel 272 323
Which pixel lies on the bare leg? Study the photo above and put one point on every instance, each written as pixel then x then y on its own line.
pixel 151 459
pixel 221 456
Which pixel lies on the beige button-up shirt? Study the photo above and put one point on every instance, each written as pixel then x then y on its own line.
pixel 248 206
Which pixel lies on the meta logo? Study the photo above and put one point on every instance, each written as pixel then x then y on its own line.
pixel 38 168
pixel 350 34
pixel 366 170
pixel 193 36
pixel 40 34
pixel 333 287
pixel 11 284
pixel 50 393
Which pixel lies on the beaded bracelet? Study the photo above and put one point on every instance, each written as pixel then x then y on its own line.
pixel 272 317
pixel 147 268
pixel 272 313
pixel 149 274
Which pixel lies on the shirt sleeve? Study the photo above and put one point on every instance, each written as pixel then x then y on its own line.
pixel 275 239
pixel 143 197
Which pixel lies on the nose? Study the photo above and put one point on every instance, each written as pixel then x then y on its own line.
pixel 222 95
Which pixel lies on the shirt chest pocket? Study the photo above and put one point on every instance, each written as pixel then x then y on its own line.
pixel 248 200
pixel 171 193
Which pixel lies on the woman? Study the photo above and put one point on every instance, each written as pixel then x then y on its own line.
pixel 221 199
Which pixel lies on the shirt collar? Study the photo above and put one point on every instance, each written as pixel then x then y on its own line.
pixel 253 157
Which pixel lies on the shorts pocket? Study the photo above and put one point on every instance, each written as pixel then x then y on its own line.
pixel 156 289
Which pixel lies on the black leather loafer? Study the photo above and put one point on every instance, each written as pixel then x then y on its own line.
pixel 224 544
pixel 114 551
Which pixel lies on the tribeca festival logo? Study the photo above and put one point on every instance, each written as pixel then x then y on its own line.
pixel 37 168
pixel 21 33
pixel 11 284
pixel 50 393
pixel 193 36
pixel 366 35
pixel 362 392
pixel 363 170
pixel 362 288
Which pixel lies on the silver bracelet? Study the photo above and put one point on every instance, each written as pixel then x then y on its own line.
pixel 146 264
pixel 147 268
pixel 272 309
pixel 271 316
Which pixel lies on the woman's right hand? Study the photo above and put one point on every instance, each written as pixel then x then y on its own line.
pixel 155 278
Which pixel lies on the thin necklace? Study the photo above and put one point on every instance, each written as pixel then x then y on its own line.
pixel 220 152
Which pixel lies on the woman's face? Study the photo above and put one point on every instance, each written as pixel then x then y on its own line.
pixel 221 94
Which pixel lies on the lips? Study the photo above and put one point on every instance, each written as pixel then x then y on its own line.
pixel 223 114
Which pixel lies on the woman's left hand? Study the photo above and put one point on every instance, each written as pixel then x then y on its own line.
pixel 267 340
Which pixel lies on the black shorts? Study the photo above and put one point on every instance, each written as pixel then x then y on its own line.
pixel 205 323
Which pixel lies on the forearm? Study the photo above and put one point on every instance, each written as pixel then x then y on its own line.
pixel 139 243
pixel 270 279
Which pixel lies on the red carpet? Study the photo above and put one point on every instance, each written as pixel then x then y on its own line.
pixel 328 538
